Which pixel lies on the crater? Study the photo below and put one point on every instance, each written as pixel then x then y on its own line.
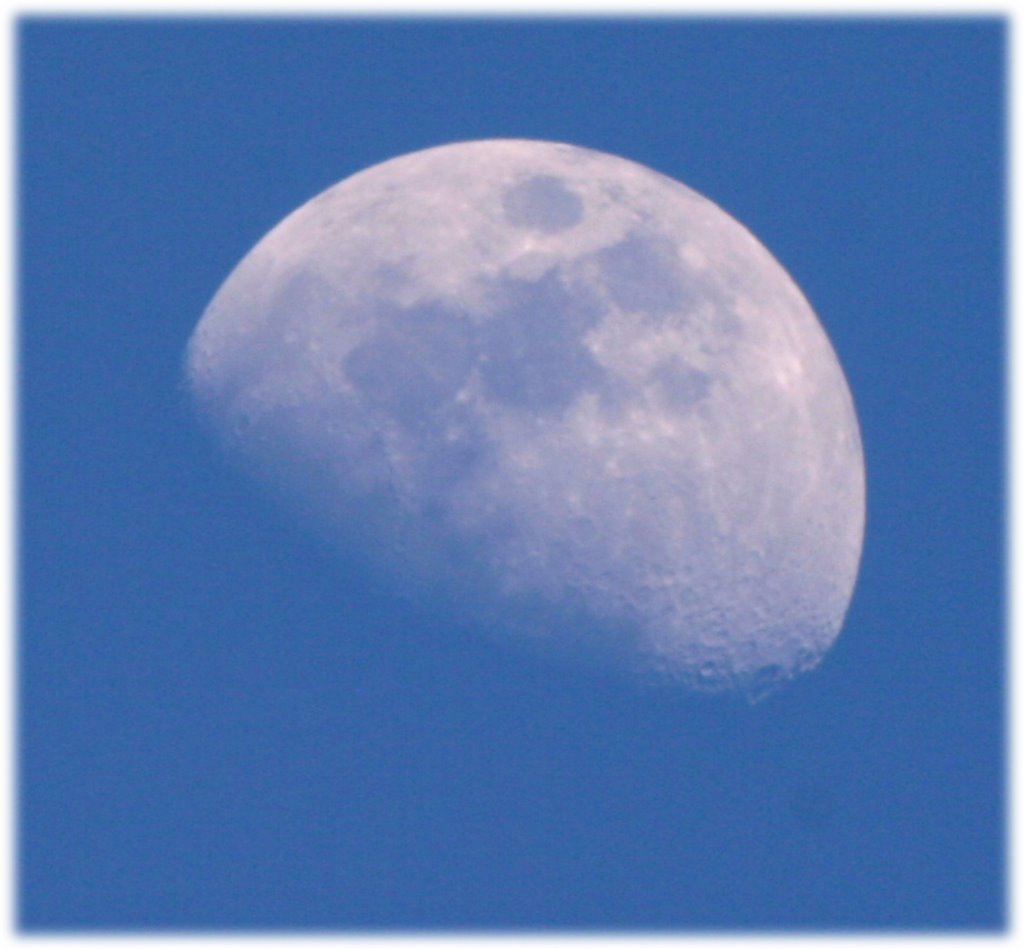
pixel 542 203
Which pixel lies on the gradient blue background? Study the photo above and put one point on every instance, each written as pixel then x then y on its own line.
pixel 222 726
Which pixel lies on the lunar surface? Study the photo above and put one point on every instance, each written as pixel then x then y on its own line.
pixel 560 393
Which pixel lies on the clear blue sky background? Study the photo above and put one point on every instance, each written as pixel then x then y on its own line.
pixel 221 727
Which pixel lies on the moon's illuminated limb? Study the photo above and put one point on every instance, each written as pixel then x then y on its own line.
pixel 565 384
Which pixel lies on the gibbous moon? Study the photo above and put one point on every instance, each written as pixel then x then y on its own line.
pixel 568 397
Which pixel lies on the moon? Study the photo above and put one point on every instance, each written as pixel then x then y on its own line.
pixel 562 394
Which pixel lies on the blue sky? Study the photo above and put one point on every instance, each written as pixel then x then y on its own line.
pixel 222 727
